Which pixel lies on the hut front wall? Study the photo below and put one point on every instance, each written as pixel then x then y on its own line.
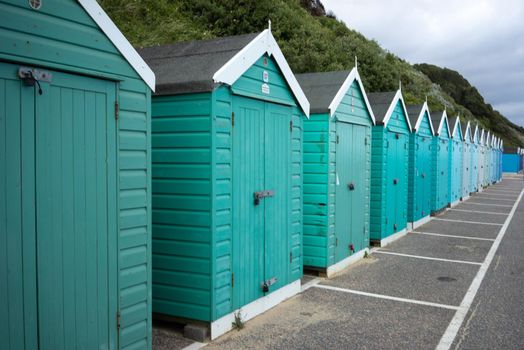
pixel 68 40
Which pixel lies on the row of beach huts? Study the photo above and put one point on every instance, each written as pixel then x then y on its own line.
pixel 195 181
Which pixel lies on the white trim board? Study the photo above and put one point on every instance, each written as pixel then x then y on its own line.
pixel 118 39
pixel 387 297
pixel 454 203
pixel 456 128
pixel 335 269
pixel 420 117
pixel 429 258
pixel 460 315
pixel 452 236
pixel 389 113
pixel 419 222
pixel 245 58
pixel 255 308
pixel 353 76
pixel 385 241
pixel 442 118
pixel 195 346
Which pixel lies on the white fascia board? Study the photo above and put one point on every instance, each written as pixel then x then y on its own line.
pixel 245 58
pixel 444 117
pixel 389 113
pixel 127 50
pixel 424 109
pixel 352 76
pixel 456 128
pixel 468 132
pixel 482 137
pixel 476 133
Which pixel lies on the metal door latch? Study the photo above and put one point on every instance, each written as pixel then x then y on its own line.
pixel 30 77
pixel 351 186
pixel 395 227
pixel 262 194
pixel 266 284
pixel 395 181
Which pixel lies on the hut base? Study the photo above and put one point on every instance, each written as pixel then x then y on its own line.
pixel 418 223
pixel 385 241
pixel 335 269
pixel 465 198
pixel 454 203
pixel 253 309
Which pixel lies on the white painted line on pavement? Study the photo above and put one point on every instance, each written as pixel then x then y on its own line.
pixel 493 205
pixel 453 236
pixel 429 258
pixel 311 283
pixel 469 222
pixel 195 346
pixel 387 297
pixel 489 198
pixel 454 326
pixel 478 211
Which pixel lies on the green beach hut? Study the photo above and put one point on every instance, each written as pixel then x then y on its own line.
pixel 75 181
pixel 467 149
pixel 456 159
pixel 440 193
pixel 227 179
pixel 419 178
pixel 337 166
pixel 389 167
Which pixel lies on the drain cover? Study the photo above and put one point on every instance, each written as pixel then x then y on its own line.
pixel 446 279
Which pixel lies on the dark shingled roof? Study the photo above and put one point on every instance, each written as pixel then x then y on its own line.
pixel 435 119
pixel 452 122
pixel 321 88
pixel 413 113
pixel 464 126
pixel 187 67
pixel 380 102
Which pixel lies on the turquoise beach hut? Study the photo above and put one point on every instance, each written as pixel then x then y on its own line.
pixel 487 164
pixel 75 234
pixel 440 193
pixel 475 165
pixel 337 170
pixel 227 179
pixel 420 165
pixel 389 173
pixel 467 149
pixel 456 158
pixel 481 160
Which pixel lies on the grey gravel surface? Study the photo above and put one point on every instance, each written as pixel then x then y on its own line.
pixel 322 319
pixel 412 278
pixel 169 336
pixel 460 229
pixel 496 317
pixel 441 247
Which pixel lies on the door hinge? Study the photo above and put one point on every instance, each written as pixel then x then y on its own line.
pixel 336 242
pixel 232 118
pixel 232 280
pixel 338 139
pixel 118 320
pixel 290 257
pixel 117 110
pixel 290 125
pixel 365 141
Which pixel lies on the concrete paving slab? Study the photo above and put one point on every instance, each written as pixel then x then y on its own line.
pixel 325 319
pixel 169 336
pixel 479 217
pixel 411 278
pixel 441 247
pixel 460 229
pixel 307 278
pixel 468 206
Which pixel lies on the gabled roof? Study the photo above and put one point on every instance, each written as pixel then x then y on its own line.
pixel 466 131
pixel 487 141
pixel 416 115
pixel 198 66
pixel 325 90
pixel 127 50
pixel 438 118
pixel 455 126
pixel 476 135
pixel 482 139
pixel 384 103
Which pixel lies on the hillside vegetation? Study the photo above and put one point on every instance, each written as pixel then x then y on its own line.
pixel 311 40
